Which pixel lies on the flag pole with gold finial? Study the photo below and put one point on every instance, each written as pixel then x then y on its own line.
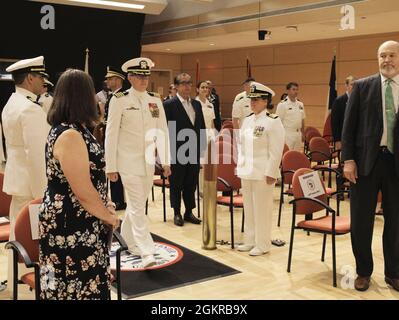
pixel 87 61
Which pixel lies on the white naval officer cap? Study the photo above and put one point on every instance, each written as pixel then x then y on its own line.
pixel 140 66
pixel 258 90
pixel 28 65
pixel 114 72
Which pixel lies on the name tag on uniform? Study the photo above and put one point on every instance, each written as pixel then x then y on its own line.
pixel 132 108
pixel 154 110
pixel 258 131
pixel 246 106
pixel 209 106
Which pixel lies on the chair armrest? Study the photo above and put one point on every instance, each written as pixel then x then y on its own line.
pixel 324 205
pixel 121 241
pixel 159 167
pixel 328 156
pixel 225 183
pixel 339 192
pixel 16 246
pixel 287 171
pixel 329 170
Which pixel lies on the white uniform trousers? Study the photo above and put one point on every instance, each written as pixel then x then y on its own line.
pixel 17 203
pixel 134 227
pixel 258 206
pixel 293 139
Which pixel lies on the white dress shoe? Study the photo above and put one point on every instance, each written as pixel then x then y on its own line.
pixel 257 252
pixel 134 251
pixel 244 247
pixel 148 261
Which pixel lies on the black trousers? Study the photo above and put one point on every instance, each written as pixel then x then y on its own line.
pixel 117 194
pixel 183 181
pixel 363 201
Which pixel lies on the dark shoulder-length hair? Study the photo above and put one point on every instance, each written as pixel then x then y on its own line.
pixel 74 100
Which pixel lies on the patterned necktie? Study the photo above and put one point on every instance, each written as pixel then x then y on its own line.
pixel 389 114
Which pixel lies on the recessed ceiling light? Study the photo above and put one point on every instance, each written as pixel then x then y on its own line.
pixel 112 4
pixel 211 44
pixel 168 49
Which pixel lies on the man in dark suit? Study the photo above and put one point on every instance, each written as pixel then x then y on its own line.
pixel 187 140
pixel 370 151
pixel 338 112
pixel 114 79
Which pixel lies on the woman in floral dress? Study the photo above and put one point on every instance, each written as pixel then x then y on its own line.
pixel 75 220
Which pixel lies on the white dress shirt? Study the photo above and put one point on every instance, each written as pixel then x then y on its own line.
pixel 395 93
pixel 188 107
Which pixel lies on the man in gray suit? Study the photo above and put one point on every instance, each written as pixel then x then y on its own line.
pixel 370 151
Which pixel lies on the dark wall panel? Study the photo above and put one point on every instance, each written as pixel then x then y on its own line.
pixel 112 36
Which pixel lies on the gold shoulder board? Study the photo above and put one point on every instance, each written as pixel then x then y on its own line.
pixel 272 115
pixel 121 94
pixel 154 94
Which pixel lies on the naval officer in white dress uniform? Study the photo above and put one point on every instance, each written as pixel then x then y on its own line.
pixel 136 126
pixel 292 114
pixel 261 143
pixel 242 105
pixel 25 131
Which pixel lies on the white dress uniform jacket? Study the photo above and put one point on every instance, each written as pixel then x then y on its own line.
pixel 292 113
pixel 25 130
pixel 241 107
pixel 260 148
pixel 136 126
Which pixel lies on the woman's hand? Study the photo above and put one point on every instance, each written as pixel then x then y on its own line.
pixel 113 221
pixel 111 207
pixel 166 171
pixel 270 180
pixel 113 176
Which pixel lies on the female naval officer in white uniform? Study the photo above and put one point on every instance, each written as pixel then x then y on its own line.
pixel 261 143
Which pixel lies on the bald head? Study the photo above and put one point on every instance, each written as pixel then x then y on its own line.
pixel 388 58
pixel 389 44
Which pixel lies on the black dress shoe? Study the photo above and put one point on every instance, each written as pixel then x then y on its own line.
pixel 178 220
pixel 120 206
pixel 394 283
pixel 362 283
pixel 188 216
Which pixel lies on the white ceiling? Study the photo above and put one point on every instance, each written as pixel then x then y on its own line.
pixel 373 17
pixel 150 6
pixel 185 8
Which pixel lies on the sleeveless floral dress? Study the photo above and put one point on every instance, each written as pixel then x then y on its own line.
pixel 73 258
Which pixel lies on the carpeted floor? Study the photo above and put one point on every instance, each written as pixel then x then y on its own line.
pixel 176 266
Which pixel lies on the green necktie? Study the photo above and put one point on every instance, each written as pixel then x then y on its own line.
pixel 389 114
